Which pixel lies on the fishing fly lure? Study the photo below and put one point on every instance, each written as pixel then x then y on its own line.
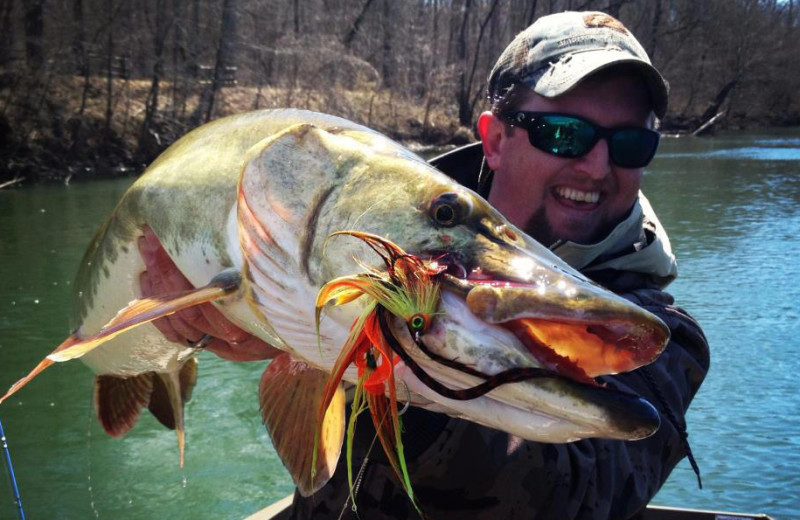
pixel 407 289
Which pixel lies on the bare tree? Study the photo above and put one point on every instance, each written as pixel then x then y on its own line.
pixel 34 33
pixel 226 57
pixel 6 31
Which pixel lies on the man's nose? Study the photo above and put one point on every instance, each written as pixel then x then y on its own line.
pixel 596 163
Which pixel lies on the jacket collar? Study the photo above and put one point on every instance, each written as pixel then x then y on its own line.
pixel 637 244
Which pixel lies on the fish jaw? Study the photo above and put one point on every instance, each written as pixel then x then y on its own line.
pixel 530 423
pixel 544 409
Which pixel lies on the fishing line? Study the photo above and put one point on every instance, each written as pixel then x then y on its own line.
pixel 362 469
pixel 17 498
pixel 512 375
pixel 407 404
pixel 89 423
pixel 359 478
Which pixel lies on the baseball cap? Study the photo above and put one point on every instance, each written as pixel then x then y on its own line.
pixel 560 50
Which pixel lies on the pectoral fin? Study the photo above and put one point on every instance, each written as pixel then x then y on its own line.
pixel 136 313
pixel 69 342
pixel 146 310
pixel 290 394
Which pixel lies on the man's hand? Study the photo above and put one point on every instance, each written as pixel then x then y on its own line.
pixel 191 325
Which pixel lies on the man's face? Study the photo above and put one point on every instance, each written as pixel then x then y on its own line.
pixel 552 198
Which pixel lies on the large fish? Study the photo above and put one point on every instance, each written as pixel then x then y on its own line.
pixel 247 207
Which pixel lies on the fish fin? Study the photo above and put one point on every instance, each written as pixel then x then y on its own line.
pixel 146 310
pixel 160 405
pixel 70 341
pixel 119 400
pixel 171 391
pixel 289 394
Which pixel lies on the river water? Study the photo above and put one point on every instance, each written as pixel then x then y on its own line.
pixel 730 204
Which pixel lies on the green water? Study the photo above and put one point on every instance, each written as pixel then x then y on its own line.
pixel 731 206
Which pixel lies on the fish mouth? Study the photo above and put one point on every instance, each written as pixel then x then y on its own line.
pixel 570 325
pixel 568 332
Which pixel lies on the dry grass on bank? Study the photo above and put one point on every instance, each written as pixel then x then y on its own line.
pixel 54 127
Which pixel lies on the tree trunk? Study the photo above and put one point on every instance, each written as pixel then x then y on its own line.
pixel 464 112
pixel 109 61
pixel 34 34
pixel 6 31
pixel 226 51
pixel 531 14
pixel 387 63
pixel 79 53
pixel 466 100
pixel 178 56
pixel 151 103
pixel 654 28
pixel 719 99
pixel 79 38
pixel 353 31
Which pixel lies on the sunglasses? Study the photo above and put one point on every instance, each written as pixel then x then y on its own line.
pixel 570 137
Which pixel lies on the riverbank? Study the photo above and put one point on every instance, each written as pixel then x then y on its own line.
pixel 70 128
pixel 65 129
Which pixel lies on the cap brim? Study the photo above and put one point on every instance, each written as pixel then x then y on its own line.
pixel 564 75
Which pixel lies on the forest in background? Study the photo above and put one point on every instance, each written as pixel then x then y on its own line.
pixel 91 87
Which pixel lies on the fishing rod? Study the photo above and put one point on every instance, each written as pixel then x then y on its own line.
pixel 10 467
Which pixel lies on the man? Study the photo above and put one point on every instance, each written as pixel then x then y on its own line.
pixel 574 101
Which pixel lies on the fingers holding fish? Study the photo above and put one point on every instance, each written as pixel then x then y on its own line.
pixel 251 349
pixel 163 277
pixel 163 325
pixel 191 325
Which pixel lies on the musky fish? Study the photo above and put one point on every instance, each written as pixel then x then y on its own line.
pixel 249 207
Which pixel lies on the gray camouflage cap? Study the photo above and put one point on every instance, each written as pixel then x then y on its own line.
pixel 558 51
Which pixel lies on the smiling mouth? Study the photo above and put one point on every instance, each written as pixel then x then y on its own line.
pixel 576 197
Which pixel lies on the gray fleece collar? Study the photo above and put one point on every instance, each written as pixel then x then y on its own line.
pixel 638 243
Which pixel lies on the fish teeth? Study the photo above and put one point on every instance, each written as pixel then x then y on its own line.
pixel 577 195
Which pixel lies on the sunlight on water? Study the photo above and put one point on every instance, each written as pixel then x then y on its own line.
pixel 735 238
pixel 731 206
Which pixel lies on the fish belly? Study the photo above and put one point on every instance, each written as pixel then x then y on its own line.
pixel 141 349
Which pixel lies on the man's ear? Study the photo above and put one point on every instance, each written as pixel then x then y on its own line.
pixel 491 130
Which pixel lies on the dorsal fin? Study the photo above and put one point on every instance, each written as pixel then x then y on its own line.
pixel 290 394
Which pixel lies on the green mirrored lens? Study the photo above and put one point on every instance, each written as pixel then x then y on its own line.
pixel 572 137
pixel 562 135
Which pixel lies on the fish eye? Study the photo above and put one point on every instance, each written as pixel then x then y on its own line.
pixel 450 209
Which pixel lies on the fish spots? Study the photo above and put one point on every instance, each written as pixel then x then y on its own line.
pixel 106 272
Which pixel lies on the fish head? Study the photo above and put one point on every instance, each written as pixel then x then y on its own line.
pixel 507 302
